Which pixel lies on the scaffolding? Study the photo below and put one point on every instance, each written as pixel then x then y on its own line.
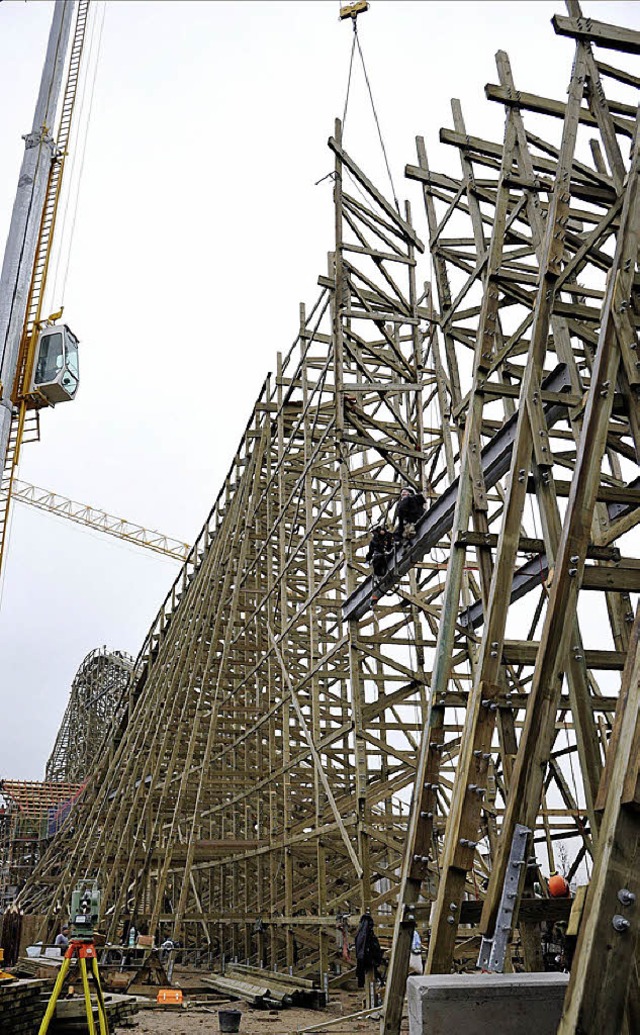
pixel 30 814
pixel 302 742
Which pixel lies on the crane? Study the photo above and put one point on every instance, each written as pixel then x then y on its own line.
pixel 38 358
pixel 91 517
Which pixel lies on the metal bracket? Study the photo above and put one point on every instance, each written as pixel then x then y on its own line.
pixel 493 950
pixel 353 10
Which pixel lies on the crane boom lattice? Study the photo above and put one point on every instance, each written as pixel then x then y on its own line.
pixel 91 517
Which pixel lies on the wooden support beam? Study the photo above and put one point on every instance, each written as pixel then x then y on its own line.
pixel 538 733
pixel 615 37
pixel 605 957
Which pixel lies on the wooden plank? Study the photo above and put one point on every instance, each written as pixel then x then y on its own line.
pixel 407 231
pixel 606 948
pixel 415 865
pixel 463 824
pixel 548 106
pixel 615 37
pixel 316 758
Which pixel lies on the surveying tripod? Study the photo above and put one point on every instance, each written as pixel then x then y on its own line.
pixel 82 949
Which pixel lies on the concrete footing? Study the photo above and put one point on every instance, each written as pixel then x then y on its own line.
pixel 511 1004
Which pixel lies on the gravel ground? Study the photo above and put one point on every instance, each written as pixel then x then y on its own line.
pixel 202 1019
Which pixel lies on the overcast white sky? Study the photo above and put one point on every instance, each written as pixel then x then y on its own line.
pixel 199 231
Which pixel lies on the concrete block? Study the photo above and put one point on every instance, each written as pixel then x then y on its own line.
pixel 511 1004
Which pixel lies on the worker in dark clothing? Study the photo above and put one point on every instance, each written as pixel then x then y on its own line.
pixel 410 507
pixel 380 549
pixel 368 951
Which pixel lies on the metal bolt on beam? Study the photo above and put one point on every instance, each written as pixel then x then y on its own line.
pixel 620 923
pixel 626 897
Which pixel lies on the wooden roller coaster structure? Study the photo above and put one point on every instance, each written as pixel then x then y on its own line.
pixel 288 754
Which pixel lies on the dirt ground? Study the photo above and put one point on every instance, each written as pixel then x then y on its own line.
pixel 199 1018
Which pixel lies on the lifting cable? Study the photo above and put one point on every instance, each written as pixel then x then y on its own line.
pixel 346 100
pixel 356 42
pixel 78 152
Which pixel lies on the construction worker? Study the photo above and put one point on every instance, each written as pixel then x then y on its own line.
pixel 62 939
pixel 409 508
pixel 380 549
pixel 415 959
pixel 368 951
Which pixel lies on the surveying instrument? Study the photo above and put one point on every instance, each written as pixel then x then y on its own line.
pixel 85 910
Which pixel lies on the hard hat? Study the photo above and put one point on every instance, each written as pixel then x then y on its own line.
pixel 558 886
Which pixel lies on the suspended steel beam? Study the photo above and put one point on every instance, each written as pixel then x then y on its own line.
pixel 438 520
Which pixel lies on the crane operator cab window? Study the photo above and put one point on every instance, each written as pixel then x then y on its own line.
pixel 56 373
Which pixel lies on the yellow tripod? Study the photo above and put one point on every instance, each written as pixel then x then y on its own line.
pixel 82 950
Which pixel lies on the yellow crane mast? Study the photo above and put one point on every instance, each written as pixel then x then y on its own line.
pixel 46 371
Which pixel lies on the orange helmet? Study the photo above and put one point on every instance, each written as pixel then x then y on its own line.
pixel 558 886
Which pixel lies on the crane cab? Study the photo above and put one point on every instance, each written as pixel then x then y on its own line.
pixel 55 369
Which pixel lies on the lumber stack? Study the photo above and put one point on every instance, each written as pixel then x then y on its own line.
pixel 71 1016
pixel 301 991
pixel 45 967
pixel 22 1006
pixel 267 989
pixel 254 993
